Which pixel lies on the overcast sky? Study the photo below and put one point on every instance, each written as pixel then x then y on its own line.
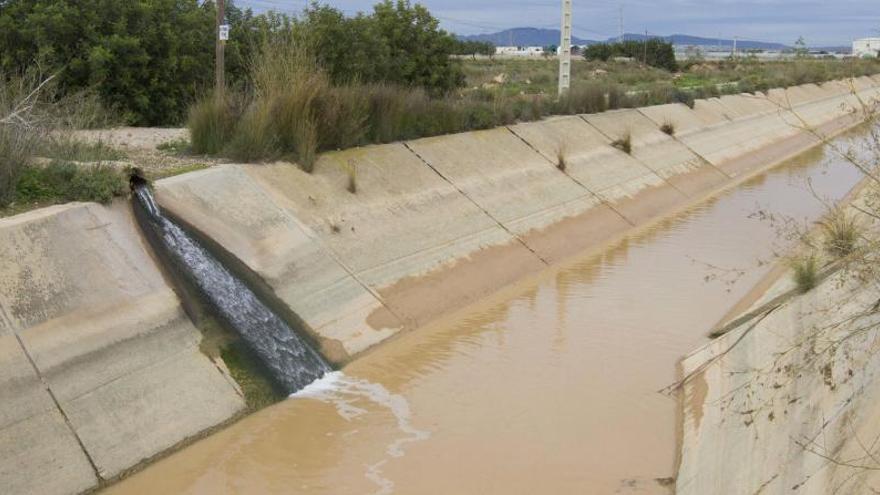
pixel 828 22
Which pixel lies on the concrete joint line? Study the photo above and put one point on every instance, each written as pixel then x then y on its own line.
pixel 573 179
pixel 67 422
pixel 701 157
pixel 466 196
pixel 650 169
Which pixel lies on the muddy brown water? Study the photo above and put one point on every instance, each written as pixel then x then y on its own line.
pixel 550 387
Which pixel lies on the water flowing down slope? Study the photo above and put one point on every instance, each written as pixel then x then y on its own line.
pixel 291 361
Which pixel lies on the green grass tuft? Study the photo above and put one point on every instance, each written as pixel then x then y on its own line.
pixel 805 268
pixel 64 181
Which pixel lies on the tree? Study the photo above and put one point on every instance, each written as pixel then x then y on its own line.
pixel 655 52
pixel 800 48
pixel 146 59
pixel 474 48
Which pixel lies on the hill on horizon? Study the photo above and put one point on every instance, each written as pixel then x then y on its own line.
pixel 527 36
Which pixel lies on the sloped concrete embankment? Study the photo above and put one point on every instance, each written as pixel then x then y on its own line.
pixel 787 400
pixel 436 223
pixel 100 369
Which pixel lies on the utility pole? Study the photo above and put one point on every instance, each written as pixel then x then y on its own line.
pixel 222 33
pixel 734 46
pixel 646 47
pixel 565 48
pixel 620 25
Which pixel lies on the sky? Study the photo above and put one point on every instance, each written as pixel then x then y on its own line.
pixel 821 23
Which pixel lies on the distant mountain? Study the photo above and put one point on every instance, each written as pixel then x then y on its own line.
pixel 688 40
pixel 526 36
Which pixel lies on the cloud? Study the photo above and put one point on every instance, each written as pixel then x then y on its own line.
pixel 819 22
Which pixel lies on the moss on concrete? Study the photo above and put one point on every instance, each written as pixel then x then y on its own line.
pixel 258 390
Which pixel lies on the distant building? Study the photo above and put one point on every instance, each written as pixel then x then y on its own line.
pixel 866 47
pixel 519 51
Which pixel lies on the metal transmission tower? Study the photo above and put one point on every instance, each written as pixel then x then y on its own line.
pixel 565 48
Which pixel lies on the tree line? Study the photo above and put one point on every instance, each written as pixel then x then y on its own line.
pixel 655 52
pixel 148 60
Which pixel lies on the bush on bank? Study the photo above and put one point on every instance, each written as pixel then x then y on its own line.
pixel 33 122
pixel 654 52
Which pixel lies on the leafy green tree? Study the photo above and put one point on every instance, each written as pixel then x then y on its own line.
pixel 147 59
pixel 474 48
pixel 419 50
pixel 655 52
pixel 397 43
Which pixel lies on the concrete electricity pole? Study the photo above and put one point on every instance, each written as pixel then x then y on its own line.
pixel 222 33
pixel 620 25
pixel 565 48
pixel 734 45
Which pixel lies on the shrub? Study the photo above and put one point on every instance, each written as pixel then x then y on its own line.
pixel 668 128
pixel 623 143
pixel 805 270
pixel 211 122
pixel 586 98
pixel 15 151
pixel 841 233
pixel 63 146
pixel 560 157
pixel 64 181
pixel 146 60
pixel 655 52
pixel 20 94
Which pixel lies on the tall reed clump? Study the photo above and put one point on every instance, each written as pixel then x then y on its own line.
pixel 211 122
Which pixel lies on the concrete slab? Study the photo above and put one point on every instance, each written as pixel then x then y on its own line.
pixel 633 189
pixel 504 176
pixel 683 119
pixel 81 292
pixel 745 145
pixel 747 105
pixel 381 233
pixel 232 208
pixel 712 111
pixel 790 406
pixel 38 451
pixel 667 157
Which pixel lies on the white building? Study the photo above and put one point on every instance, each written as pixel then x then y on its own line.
pixel 866 47
pixel 519 51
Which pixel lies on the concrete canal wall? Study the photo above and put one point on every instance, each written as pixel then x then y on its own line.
pixel 100 369
pixel 438 222
pixel 787 400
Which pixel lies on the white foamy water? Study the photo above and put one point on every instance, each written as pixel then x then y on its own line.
pixel 345 392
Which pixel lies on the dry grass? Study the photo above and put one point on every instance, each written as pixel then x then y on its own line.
pixel 841 233
pixel 624 143
pixel 351 170
pixel 561 153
